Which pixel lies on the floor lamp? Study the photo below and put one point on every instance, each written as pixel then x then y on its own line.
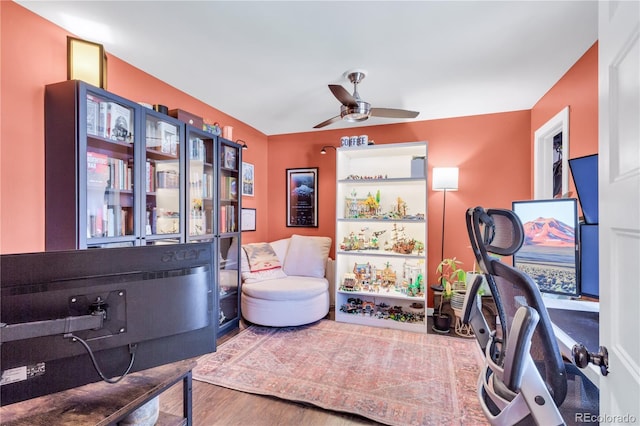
pixel 444 179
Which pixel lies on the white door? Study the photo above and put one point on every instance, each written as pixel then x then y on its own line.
pixel 619 204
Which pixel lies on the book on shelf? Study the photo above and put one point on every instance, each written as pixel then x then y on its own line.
pixel 228 222
pixel 120 174
pixel 119 122
pixel 168 134
pixel 98 170
pixel 150 179
pixel 196 149
pixel 115 122
pixel 223 220
pixel 229 157
pixel 224 188
pixel 233 188
pixel 93 115
pixel 207 185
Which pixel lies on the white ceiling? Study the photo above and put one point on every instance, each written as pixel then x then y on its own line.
pixel 268 63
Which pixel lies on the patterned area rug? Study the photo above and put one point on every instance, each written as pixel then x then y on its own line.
pixel 390 376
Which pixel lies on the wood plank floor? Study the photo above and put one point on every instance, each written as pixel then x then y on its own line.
pixel 215 405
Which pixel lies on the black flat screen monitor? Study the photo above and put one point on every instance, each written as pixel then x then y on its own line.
pixel 550 253
pixel 139 306
pixel 585 177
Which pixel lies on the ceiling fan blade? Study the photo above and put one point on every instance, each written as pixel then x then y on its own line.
pixel 393 113
pixel 327 122
pixel 343 96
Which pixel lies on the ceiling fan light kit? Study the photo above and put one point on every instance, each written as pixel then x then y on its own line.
pixel 359 112
pixel 354 109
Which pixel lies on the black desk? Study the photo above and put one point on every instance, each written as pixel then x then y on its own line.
pixel 581 326
pixel 576 321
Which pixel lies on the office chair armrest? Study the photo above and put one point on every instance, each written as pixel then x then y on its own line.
pixel 518 345
pixel 472 314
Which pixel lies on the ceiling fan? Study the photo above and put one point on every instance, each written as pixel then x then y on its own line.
pixel 354 109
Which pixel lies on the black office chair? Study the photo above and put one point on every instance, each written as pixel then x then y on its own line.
pixel 525 379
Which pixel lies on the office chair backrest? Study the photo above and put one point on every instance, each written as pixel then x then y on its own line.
pixel 500 232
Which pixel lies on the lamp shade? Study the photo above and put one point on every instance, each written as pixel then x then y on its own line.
pixel 86 61
pixel 445 178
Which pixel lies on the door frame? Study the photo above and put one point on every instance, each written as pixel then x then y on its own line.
pixel 543 155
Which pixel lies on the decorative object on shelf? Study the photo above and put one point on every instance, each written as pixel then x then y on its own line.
pixel 214 128
pixel 248 180
pixel 187 117
pixel 401 243
pixel 86 61
pixel 229 161
pixel 302 197
pixel 163 109
pixel 357 306
pixel 324 149
pixel 367 277
pixel 227 132
pixel 358 177
pixel 418 167
pixel 248 219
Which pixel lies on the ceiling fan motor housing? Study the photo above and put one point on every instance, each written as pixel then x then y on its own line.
pixel 354 113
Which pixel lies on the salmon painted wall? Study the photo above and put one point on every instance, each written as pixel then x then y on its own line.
pixel 578 89
pixel 492 152
pixel 33 54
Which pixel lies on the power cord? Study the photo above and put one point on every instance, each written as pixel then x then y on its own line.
pixel 132 351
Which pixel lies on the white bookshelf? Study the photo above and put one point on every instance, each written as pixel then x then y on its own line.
pixel 395 176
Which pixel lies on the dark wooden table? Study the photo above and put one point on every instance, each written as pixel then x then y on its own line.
pixel 102 403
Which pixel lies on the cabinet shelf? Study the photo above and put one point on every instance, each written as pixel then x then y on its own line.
pixel 383 294
pixel 418 327
pixel 379 253
pixel 372 219
pixel 109 144
pixel 384 181
pixel 231 294
pixel 159 155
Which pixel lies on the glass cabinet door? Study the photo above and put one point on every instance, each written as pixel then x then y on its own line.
pixel 229 160
pixel 110 206
pixel 200 185
pixel 163 221
pixel 229 157
pixel 228 279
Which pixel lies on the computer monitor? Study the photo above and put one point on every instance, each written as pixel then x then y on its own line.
pixel 550 253
pixel 73 317
pixel 585 177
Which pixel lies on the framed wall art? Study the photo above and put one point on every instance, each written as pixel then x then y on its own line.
pixel 247 180
pixel 302 197
pixel 248 219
